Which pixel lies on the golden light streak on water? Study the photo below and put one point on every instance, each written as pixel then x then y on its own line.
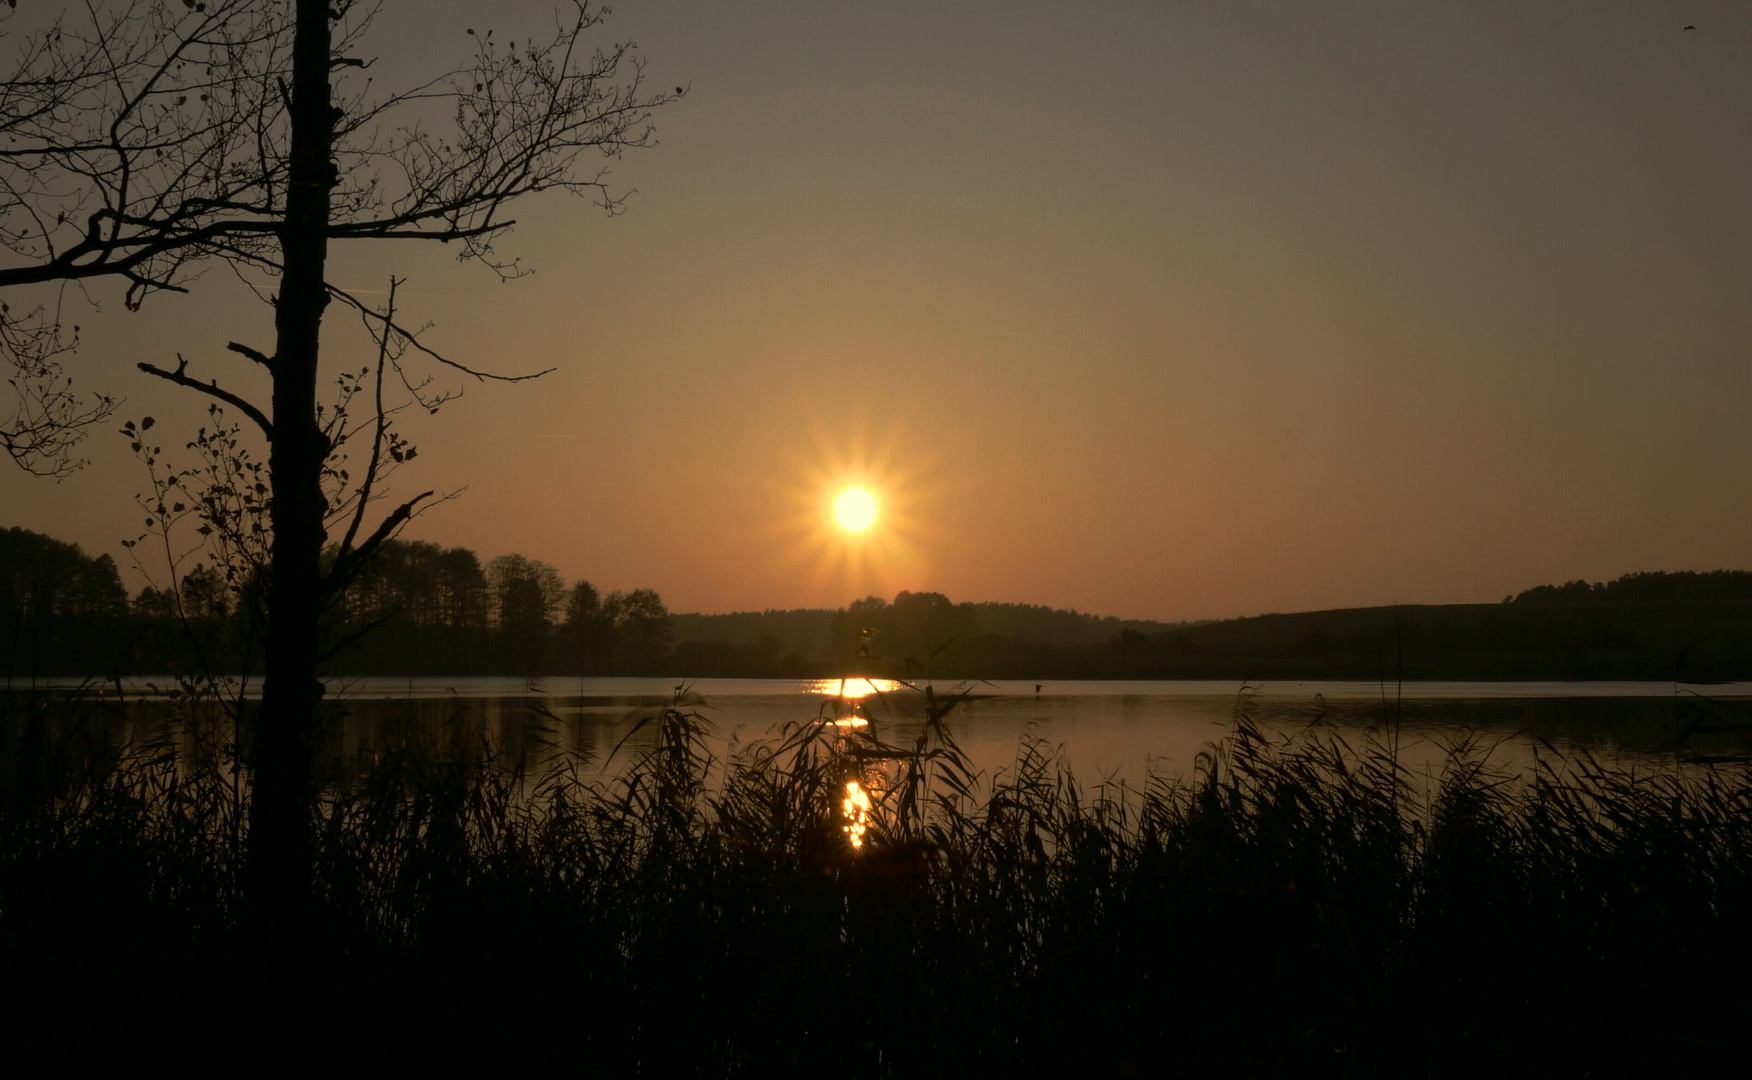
pixel 857 811
pixel 854 688
pixel 854 716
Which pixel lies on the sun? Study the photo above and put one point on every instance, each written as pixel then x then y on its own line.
pixel 855 509
pixel 852 504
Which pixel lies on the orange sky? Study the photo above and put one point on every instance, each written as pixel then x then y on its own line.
pixel 1138 308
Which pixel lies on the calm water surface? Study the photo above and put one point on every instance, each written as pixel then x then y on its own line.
pixel 1117 729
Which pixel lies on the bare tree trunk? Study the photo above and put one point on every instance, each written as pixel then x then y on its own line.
pixel 281 844
pixel 101 178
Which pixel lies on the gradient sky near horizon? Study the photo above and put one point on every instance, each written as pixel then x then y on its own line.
pixel 1154 310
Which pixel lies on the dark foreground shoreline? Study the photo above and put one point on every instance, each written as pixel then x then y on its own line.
pixel 1295 908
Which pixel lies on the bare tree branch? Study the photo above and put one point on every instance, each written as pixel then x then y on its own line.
pixel 212 390
pixel 345 570
pixel 151 135
pixel 254 354
pixel 412 337
pixel 48 418
pixel 381 425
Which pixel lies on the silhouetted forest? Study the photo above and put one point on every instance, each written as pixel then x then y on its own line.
pixel 61 611
pixel 423 609
pixel 418 609
pixel 1694 627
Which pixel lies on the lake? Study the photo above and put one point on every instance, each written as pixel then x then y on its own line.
pixel 1116 729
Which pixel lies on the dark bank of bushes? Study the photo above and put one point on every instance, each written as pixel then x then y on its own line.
pixel 1297 908
pixel 1686 627
pixel 424 610
pixel 1687 640
pixel 418 609
pixel 60 609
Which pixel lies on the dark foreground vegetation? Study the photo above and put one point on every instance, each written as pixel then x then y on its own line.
pixel 419 609
pixel 1297 908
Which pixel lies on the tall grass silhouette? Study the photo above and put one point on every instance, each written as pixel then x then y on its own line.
pixel 1297 906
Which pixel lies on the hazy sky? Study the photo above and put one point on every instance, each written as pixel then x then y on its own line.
pixel 1160 310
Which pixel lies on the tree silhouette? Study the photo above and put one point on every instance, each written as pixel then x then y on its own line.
pixel 525 594
pixel 145 139
pixel 55 601
pixel 642 628
pixel 588 631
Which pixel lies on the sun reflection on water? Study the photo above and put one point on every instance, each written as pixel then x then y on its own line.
pixel 853 687
pixel 857 810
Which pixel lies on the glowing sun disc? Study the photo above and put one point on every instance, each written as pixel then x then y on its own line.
pixel 855 509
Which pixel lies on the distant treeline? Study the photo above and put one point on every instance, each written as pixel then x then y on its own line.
pixel 419 609
pixel 1694 627
pixel 913 633
pixel 422 609
pixel 425 610
pixel 61 611
pixel 1714 587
